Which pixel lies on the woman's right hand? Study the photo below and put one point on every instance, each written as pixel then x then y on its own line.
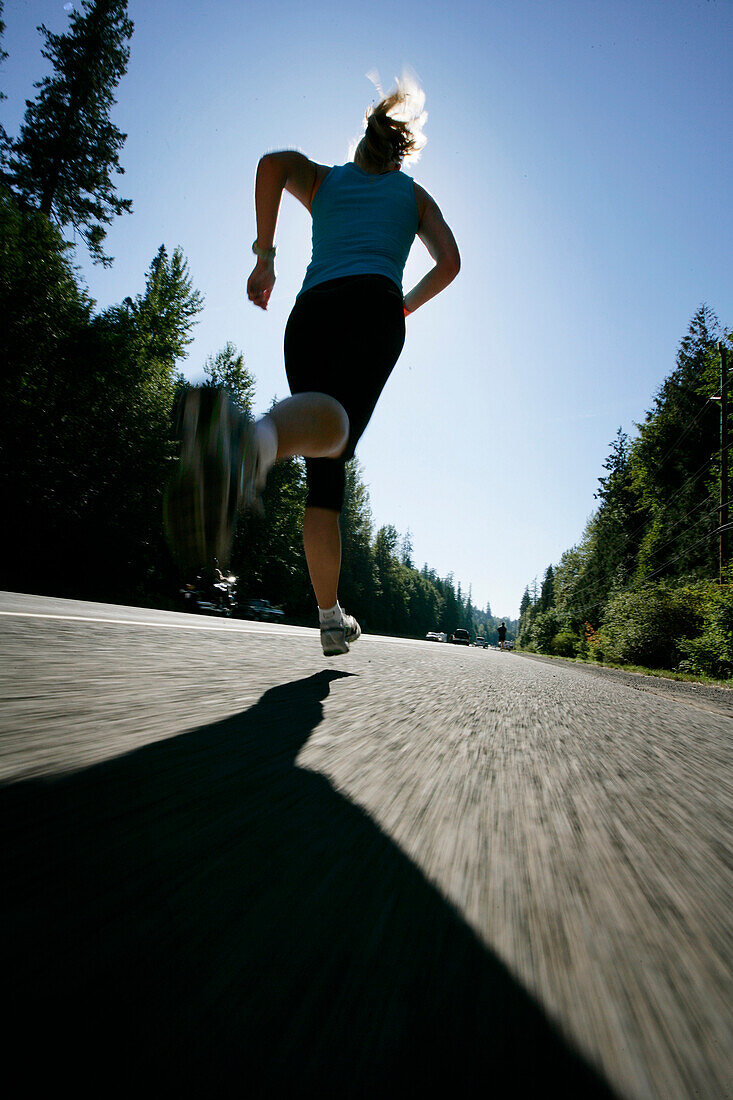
pixel 261 282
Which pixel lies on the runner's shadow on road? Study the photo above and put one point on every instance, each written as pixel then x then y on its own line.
pixel 202 916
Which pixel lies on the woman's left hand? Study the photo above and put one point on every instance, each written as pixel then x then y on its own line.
pixel 261 282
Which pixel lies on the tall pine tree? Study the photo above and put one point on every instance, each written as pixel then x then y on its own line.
pixel 227 369
pixel 167 311
pixel 67 150
pixel 674 461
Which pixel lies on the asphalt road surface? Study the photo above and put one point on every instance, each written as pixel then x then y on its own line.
pixel 234 867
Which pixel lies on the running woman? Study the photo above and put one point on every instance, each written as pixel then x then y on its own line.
pixel 343 337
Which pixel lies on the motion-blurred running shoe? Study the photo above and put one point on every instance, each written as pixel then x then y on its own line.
pixel 336 637
pixel 218 468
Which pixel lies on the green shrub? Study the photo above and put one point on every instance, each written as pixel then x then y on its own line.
pixel 565 643
pixel 544 628
pixel 711 652
pixel 650 625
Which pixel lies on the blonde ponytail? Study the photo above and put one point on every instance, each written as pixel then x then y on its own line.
pixel 393 128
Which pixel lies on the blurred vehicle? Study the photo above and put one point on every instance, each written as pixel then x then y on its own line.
pixel 431 636
pixel 211 596
pixel 261 611
pixel 481 643
pixel 461 637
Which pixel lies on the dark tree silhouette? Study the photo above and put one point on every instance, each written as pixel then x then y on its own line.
pixel 68 148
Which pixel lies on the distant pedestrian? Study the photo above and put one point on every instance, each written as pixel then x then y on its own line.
pixel 502 635
pixel 344 336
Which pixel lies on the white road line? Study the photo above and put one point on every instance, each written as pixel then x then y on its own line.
pixel 228 627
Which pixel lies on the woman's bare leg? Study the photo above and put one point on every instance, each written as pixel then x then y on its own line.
pixel 316 426
pixel 322 542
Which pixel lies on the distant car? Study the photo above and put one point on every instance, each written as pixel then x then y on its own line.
pixel 481 643
pixel 262 611
pixel 431 636
pixel 461 637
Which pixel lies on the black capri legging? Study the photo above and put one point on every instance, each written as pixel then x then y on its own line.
pixel 343 338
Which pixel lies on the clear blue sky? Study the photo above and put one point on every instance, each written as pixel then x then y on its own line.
pixel 580 150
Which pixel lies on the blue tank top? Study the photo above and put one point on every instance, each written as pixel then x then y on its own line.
pixel 363 224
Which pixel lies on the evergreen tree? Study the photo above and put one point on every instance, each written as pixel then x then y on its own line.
pixel 576 594
pixel 85 428
pixel 406 550
pixel 227 369
pixel 390 615
pixel 547 595
pixel 619 513
pixel 526 603
pixel 450 611
pixel 358 585
pixel 674 463
pixel 67 150
pixel 425 605
pixel 166 312
pixel 470 613
pixel 655 521
pixel 268 555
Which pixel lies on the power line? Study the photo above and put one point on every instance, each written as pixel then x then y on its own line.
pixel 666 565
pixel 705 466
pixel 659 512
pixel 674 538
pixel 687 430
pixel 592 589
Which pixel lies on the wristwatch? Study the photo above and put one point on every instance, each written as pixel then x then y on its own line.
pixel 263 253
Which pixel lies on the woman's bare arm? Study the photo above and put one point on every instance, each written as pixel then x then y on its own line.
pixel 437 237
pixel 278 172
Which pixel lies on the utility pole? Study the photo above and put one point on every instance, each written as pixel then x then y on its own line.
pixel 723 459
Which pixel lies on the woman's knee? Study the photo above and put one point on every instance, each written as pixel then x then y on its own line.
pixel 338 425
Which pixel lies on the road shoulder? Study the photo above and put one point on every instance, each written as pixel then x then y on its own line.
pixel 707 697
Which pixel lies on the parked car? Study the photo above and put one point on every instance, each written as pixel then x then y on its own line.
pixel 481 643
pixel 262 611
pixel 461 637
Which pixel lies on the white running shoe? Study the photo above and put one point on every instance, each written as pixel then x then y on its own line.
pixel 335 637
pixel 219 468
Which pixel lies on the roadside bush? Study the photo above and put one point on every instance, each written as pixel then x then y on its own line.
pixel 544 628
pixel 711 652
pixel 595 642
pixel 650 625
pixel 564 644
